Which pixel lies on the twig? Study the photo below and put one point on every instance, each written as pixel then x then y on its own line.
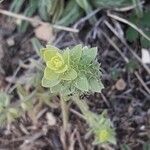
pixel 32 20
pixel 128 23
pixel 126 60
pixel 77 113
pixel 105 100
pixel 127 8
pixel 129 48
pixel 39 115
pixel 80 141
pixel 26 139
pixel 87 17
pixel 7 89
pixel 64 109
pixel 72 140
pixel 142 82
pixel 116 47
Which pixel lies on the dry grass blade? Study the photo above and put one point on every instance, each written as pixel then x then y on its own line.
pixel 128 8
pixel 128 23
pixel 72 140
pixel 116 48
pixel 32 20
pixel 142 82
pixel 77 113
pixel 87 17
pixel 126 60
pixel 129 48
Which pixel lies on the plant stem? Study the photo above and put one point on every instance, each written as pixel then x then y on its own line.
pixel 84 108
pixel 64 112
pixel 81 104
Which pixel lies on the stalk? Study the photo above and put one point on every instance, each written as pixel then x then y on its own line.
pixel 89 116
pixel 64 109
pixel 81 104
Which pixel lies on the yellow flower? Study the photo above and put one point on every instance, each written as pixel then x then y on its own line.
pixel 104 135
pixel 56 62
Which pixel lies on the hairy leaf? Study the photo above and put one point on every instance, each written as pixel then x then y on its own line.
pixel 95 85
pixel 70 74
pixel 81 83
pixel 50 75
pixel 4 99
pixel 76 53
pixel 49 83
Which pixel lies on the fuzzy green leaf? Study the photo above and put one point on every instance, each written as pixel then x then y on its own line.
pixel 76 53
pixel 112 139
pixel 81 83
pixel 48 52
pixel 50 75
pixel 70 74
pixel 64 89
pixel 49 83
pixel 95 85
pixel 57 89
pixel 4 99
pixel 66 56
pixel 89 54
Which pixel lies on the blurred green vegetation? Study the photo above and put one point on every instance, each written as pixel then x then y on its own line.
pixel 143 22
pixel 65 13
pixel 60 11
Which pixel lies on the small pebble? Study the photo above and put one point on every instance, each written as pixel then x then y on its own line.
pixel 10 42
pixel 50 119
pixel 142 127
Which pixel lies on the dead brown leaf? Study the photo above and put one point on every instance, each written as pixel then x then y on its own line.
pixel 44 32
pixel 51 120
pixel 120 85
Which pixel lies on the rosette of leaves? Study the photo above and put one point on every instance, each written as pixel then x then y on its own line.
pixel 144 24
pixel 7 113
pixel 104 133
pixel 71 70
pixel 99 125
pixel 102 129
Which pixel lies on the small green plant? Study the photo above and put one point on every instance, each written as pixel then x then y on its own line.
pixel 72 70
pixel 143 23
pixel 59 11
pixel 68 73
pixel 103 130
pixel 100 125
pixel 7 113
pixel 71 73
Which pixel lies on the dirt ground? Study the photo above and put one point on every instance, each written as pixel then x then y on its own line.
pixel 126 94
